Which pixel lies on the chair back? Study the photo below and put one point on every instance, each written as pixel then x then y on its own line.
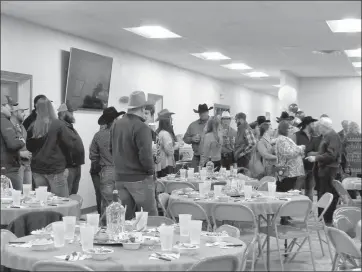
pixel 26 223
pixel 156 221
pixel 324 202
pixel 6 237
pixel 160 187
pixel 177 185
pixel 79 199
pixel 295 208
pixel 232 212
pixel 59 266
pixel 263 186
pixel 187 207
pixel 346 219
pixel 344 196
pixel 163 199
pixel 217 263
pixel 268 179
pixel 231 230
pixel 342 243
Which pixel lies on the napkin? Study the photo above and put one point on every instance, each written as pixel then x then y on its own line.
pixel 78 257
pixel 168 256
pixel 20 245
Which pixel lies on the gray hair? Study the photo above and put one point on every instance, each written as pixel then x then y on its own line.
pixel 325 122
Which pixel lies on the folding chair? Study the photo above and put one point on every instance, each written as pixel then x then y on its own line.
pixel 231 230
pixel 217 263
pixel 177 185
pixel 346 218
pixel 156 221
pixel 163 201
pixel 344 197
pixel 187 207
pixel 59 266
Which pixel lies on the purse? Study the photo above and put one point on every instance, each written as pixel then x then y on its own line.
pixel 281 171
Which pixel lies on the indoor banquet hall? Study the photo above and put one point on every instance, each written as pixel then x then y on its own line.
pixel 180 135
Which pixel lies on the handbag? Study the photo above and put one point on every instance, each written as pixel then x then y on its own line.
pixel 281 171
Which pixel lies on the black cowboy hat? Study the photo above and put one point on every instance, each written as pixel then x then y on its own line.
pixel 203 108
pixel 285 116
pixel 306 121
pixel 109 114
pixel 261 119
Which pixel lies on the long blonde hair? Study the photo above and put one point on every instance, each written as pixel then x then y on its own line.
pixel 45 115
pixel 213 127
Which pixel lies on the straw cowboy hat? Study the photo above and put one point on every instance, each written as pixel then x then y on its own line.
pixel 109 114
pixel 164 114
pixel 203 108
pixel 225 115
pixel 137 99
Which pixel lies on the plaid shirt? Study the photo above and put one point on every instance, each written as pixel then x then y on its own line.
pixel 99 152
pixel 250 142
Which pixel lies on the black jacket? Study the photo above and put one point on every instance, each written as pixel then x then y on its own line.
pixel 75 156
pixel 29 120
pixel 10 144
pixel 50 150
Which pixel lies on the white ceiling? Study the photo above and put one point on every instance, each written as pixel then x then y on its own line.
pixel 269 36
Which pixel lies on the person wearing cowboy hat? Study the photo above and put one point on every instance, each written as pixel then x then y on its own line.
pixel 17 118
pixel 306 136
pixel 100 155
pixel 195 133
pixel 286 117
pixel 229 135
pixel 10 143
pixel 131 147
pixel 259 121
pixel 75 156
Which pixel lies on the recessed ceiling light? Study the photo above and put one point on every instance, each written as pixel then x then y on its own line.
pixel 345 25
pixel 353 53
pixel 236 66
pixel 357 64
pixel 153 32
pixel 278 86
pixel 256 74
pixel 211 56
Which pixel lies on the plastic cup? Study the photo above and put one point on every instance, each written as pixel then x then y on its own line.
pixel 242 184
pixel 202 189
pixel 86 237
pixel 16 197
pixel 143 222
pixel 228 173
pixel 217 190
pixel 271 188
pixel 184 224
pixel 183 174
pixel 59 234
pixel 166 237
pixel 248 189
pixel 43 188
pixel 42 196
pixel 93 220
pixel 195 231
pixel 69 225
pixel 203 174
pixel 190 173
pixel 26 190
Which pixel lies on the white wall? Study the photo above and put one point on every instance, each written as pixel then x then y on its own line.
pixel 340 98
pixel 30 49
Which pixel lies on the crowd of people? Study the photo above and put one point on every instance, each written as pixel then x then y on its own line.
pixel 129 152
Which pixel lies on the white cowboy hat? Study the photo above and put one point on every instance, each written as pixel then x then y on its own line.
pixel 225 115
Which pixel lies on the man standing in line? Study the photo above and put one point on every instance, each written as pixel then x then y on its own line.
pixel 342 134
pixel 195 133
pixel 229 136
pixel 131 148
pixel 245 141
pixel 327 164
pixel 10 144
pixel 31 118
pixel 75 158
pixel 17 118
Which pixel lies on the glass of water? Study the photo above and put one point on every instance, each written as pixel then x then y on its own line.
pixel 166 237
pixel 93 220
pixel 86 237
pixel 59 234
pixel 69 224
pixel 16 196
pixel 26 189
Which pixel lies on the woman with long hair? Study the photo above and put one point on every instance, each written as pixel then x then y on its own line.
pixel 212 144
pixel 49 140
pixel 167 144
pixel 266 149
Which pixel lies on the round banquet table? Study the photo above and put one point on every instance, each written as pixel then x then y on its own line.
pixel 68 208
pixel 352 183
pixel 120 260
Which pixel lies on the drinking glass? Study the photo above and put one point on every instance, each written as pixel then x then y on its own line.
pixel 143 222
pixel 183 174
pixel 195 231
pixel 203 174
pixel 16 196
pixel 202 189
pixel 184 224
pixel 59 234
pixel 217 190
pixel 93 220
pixel 42 196
pixel 271 188
pixel 248 189
pixel 234 183
pixel 69 225
pixel 166 237
pixel 227 173
pixel 26 189
pixel 86 237
pixel 190 173
pixel 242 184
pixel 43 188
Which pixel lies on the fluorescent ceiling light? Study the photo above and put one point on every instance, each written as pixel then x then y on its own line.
pixel 211 56
pixel 256 74
pixel 345 25
pixel 353 53
pixel 153 32
pixel 357 64
pixel 236 66
pixel 278 86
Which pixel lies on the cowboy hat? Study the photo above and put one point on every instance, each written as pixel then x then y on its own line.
pixel 306 121
pixel 261 119
pixel 164 114
pixel 65 107
pixel 109 114
pixel 285 116
pixel 137 99
pixel 225 115
pixel 203 108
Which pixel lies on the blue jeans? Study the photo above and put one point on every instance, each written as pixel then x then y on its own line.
pixel 107 185
pixel 138 194
pixel 73 179
pixel 56 182
pixel 13 175
pixel 25 174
